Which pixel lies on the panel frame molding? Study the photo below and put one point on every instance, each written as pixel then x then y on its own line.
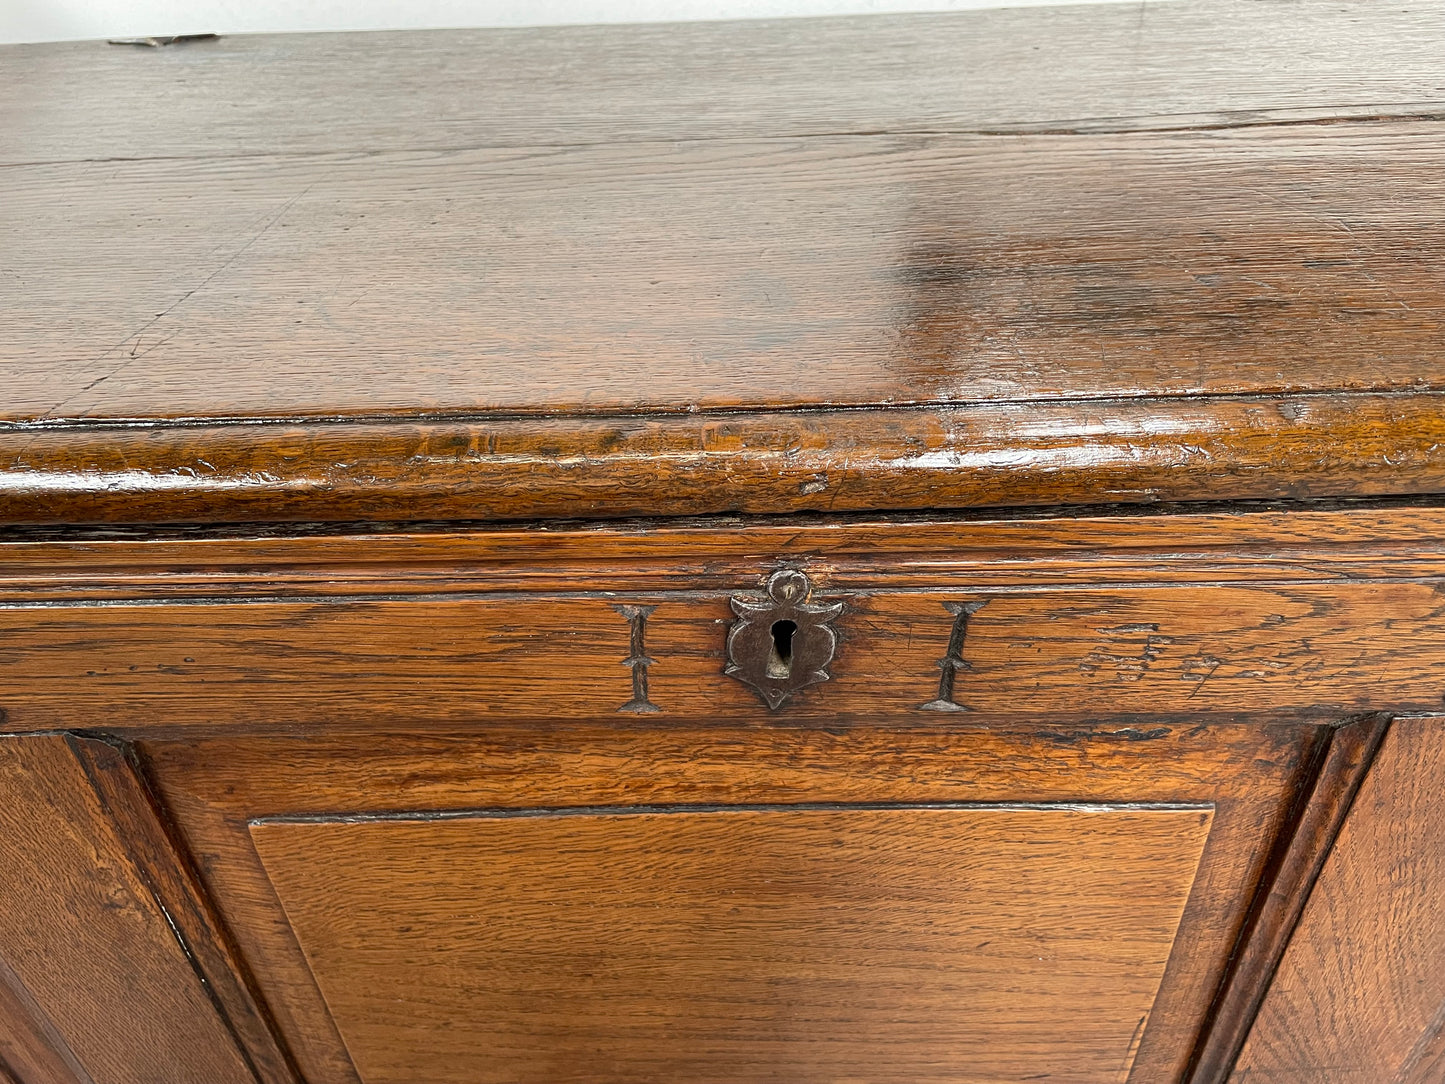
pixel 445 773
pixel 1301 851
pixel 167 871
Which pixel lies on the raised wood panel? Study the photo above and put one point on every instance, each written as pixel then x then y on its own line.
pixel 1341 648
pixel 1251 775
pixel 856 944
pixel 1359 997
pixel 105 992
pixel 166 869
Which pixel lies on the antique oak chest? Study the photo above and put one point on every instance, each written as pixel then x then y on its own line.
pixel 854 551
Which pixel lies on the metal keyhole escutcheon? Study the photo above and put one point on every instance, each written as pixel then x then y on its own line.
pixel 782 642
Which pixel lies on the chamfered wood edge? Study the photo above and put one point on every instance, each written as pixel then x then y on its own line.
pixel 120 784
pixel 32 1050
pixel 986 455
pixel 1304 845
pixel 1425 1064
pixel 501 812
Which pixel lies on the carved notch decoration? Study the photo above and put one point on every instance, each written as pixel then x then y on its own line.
pixel 637 659
pixel 781 642
pixel 953 663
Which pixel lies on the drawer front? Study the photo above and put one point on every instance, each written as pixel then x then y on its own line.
pixel 1326 613
pixel 902 802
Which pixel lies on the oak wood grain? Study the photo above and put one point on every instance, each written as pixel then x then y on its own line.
pixel 618 279
pixel 1238 544
pixel 268 298
pixel 32 1050
pixel 1358 996
pixel 160 860
pixel 982 456
pixel 86 940
pixel 866 316
pixel 1305 846
pixel 1330 649
pixel 1179 64
pixel 1250 773
pixel 1426 1062
pixel 761 944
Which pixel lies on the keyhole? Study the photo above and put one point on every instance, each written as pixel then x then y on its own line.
pixel 780 659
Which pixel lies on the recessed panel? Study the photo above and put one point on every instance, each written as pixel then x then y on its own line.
pixel 838 944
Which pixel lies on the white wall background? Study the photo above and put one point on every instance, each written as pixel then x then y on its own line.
pixel 62 20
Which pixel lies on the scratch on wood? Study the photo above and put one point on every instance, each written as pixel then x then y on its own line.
pixel 271 221
pixel 1199 669
pixel 1130 661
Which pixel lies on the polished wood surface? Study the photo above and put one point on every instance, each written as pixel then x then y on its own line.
pixel 1012 455
pixel 1217 63
pixel 618 279
pixel 88 960
pixel 1250 773
pixel 763 944
pixel 392 427
pixel 1359 997
pixel 760 311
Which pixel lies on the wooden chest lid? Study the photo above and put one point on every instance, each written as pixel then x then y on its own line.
pixel 1038 257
